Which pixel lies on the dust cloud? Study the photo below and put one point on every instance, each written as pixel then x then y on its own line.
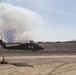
pixel 17 23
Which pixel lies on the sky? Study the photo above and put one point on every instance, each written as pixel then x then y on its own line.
pixel 59 17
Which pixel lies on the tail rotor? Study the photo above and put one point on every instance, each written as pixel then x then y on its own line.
pixel 2 43
pixel 1 39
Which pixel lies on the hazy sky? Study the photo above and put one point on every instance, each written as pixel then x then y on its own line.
pixel 59 18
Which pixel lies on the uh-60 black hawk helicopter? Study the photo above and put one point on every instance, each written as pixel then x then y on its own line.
pixel 23 46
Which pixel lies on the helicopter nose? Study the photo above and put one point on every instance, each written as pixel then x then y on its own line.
pixel 42 48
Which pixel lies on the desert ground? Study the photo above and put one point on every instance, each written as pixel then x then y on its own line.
pixel 56 59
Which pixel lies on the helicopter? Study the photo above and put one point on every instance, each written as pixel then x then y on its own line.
pixel 23 46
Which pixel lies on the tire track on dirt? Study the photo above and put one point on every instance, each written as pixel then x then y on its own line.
pixel 51 72
pixel 58 70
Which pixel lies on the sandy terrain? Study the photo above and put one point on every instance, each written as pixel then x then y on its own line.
pixel 51 61
pixel 56 65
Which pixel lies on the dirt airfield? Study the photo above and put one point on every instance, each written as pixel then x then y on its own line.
pixel 56 59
